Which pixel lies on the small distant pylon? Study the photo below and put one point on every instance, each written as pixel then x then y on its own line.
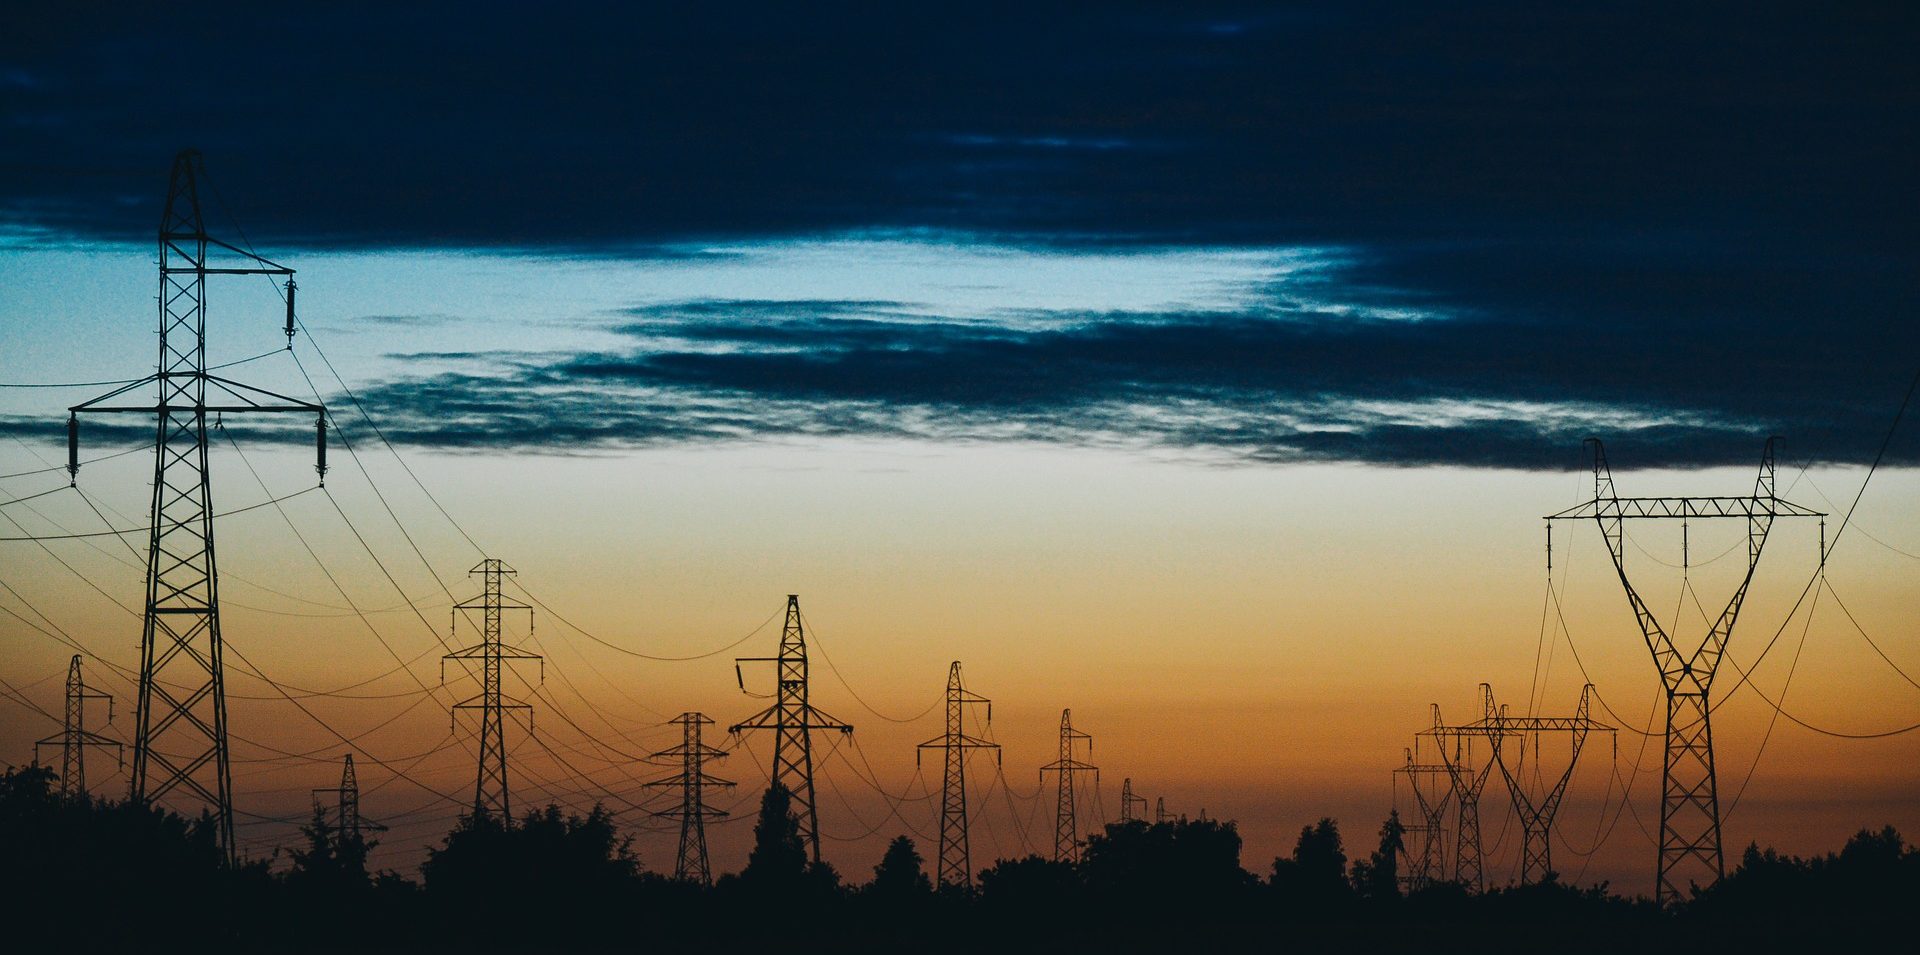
pixel 956 862
pixel 74 737
pixel 1160 814
pixel 690 862
pixel 1128 801
pixel 346 817
pixel 1429 867
pixel 1469 774
pixel 491 795
pixel 1536 810
pixel 792 719
pixel 1066 822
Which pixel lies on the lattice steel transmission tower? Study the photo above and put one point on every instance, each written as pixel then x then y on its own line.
pixel 1468 773
pixel 956 862
pixel 1160 814
pixel 1690 796
pixel 690 862
pixel 490 791
pixel 346 801
pixel 180 718
pixel 1425 781
pixel 1535 809
pixel 1128 801
pixel 1066 820
pixel 74 737
pixel 792 720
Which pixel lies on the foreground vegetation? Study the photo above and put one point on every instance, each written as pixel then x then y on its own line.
pixel 100 874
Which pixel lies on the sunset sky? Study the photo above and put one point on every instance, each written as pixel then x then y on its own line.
pixel 1204 368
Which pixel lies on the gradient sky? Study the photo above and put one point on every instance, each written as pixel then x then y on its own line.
pixel 1206 369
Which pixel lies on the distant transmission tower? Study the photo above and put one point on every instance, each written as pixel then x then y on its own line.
pixel 1535 809
pixel 74 737
pixel 956 863
pixel 1469 774
pixel 1160 814
pixel 490 794
pixel 1066 821
pixel 792 720
pixel 1128 801
pixel 346 800
pixel 1425 780
pixel 180 720
pixel 690 863
pixel 1690 804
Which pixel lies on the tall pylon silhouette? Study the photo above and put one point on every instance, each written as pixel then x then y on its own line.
pixel 74 737
pixel 1160 814
pixel 690 862
pixel 1066 819
pixel 180 714
pixel 1690 848
pixel 491 795
pixel 792 719
pixel 956 863
pixel 1128 801
pixel 1537 806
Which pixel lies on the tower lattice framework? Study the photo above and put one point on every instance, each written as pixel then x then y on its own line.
pixel 180 719
pixel 1690 839
pixel 1066 818
pixel 491 795
pixel 1132 808
pixel 1432 789
pixel 1468 771
pixel 690 861
pixel 956 861
pixel 792 720
pixel 74 737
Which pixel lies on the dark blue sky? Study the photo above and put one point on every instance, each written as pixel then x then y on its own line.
pixel 1702 218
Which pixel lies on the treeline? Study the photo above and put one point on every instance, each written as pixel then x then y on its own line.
pixel 97 874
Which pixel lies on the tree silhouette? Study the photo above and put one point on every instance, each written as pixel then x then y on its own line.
pixel 1378 876
pixel 1316 875
pixel 901 875
pixel 334 862
pixel 779 859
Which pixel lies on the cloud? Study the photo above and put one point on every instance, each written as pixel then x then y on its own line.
pixel 1266 385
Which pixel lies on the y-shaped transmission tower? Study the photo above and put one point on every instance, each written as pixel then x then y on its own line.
pixel 1432 790
pixel 1066 822
pixel 346 801
pixel 1690 796
pixel 180 718
pixel 1128 801
pixel 792 720
pixel 956 864
pixel 1536 809
pixel 490 791
pixel 690 863
pixel 1469 774
pixel 74 737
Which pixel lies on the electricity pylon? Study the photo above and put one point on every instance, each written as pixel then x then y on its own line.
pixel 1423 780
pixel 1535 809
pixel 346 800
pixel 1160 814
pixel 1066 822
pixel 180 714
pixel 74 737
pixel 792 720
pixel 690 863
pixel 956 862
pixel 490 791
pixel 1690 796
pixel 1128 800
pixel 1469 774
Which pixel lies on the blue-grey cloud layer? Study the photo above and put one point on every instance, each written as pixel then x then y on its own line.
pixel 1701 220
